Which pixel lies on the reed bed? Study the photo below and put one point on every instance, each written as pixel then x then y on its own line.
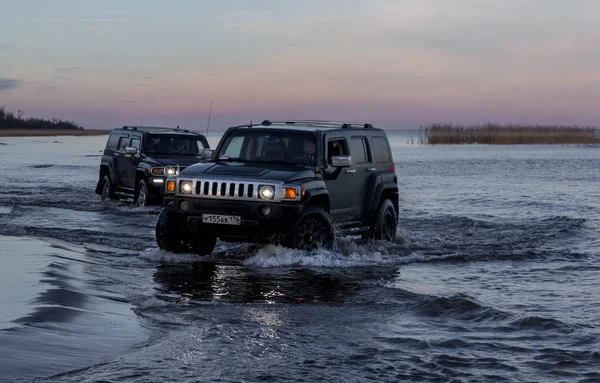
pixel 510 134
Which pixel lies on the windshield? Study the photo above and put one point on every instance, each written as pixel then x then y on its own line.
pixel 174 145
pixel 274 147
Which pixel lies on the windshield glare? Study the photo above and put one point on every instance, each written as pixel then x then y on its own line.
pixel 276 147
pixel 174 145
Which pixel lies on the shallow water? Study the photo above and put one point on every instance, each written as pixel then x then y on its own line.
pixel 494 278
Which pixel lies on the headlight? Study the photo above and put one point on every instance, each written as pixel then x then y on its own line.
pixel 170 171
pixel 186 187
pixel 266 192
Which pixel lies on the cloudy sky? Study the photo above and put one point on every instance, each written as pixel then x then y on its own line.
pixel 396 63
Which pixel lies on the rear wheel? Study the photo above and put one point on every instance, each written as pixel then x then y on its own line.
pixel 171 236
pixel 312 230
pixel 386 222
pixel 107 192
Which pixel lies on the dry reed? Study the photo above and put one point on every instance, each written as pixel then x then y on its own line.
pixel 510 134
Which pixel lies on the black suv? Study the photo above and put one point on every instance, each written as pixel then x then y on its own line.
pixel 137 160
pixel 288 182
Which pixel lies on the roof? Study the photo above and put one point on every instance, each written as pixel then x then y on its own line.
pixel 310 125
pixel 155 129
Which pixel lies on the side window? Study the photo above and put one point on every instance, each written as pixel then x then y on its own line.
pixel 135 142
pixel 123 143
pixel 381 150
pixel 336 147
pixel 112 142
pixel 359 150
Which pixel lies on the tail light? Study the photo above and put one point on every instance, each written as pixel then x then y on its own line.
pixel 394 167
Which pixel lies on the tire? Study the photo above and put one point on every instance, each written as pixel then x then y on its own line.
pixel 106 190
pixel 142 194
pixel 170 236
pixel 312 230
pixel 386 223
pixel 203 245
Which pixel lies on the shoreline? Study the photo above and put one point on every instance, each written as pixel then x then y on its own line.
pixel 51 132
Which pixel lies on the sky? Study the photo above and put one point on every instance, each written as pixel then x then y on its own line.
pixel 398 64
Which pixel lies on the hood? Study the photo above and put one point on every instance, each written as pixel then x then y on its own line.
pixel 284 173
pixel 183 161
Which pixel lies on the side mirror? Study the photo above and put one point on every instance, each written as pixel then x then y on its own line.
pixel 341 161
pixel 131 150
pixel 206 154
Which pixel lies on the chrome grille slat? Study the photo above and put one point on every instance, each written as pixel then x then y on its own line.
pixel 231 189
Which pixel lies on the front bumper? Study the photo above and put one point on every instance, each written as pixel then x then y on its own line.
pixel 254 227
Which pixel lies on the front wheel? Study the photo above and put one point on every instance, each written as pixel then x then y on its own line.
pixel 142 196
pixel 312 230
pixel 171 236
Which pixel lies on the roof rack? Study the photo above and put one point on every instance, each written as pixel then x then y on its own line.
pixel 320 124
pixel 154 129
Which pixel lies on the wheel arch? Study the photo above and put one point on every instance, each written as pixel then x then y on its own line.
pixel 104 171
pixel 382 186
pixel 317 197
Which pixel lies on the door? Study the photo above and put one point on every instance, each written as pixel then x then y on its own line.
pixel 341 182
pixel 132 161
pixel 363 164
pixel 123 163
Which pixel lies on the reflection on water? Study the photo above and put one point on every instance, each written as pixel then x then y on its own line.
pixel 213 282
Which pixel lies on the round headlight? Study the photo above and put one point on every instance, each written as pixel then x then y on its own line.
pixel 266 192
pixel 170 171
pixel 186 187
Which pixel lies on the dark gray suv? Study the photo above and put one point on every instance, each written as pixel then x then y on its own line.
pixel 137 161
pixel 289 182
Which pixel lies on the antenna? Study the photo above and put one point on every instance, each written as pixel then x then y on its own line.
pixel 209 113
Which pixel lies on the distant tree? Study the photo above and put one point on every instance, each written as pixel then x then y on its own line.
pixel 8 121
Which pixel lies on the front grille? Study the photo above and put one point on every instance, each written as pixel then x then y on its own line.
pixel 230 189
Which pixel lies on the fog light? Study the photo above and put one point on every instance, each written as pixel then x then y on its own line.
pixel 266 210
pixel 184 205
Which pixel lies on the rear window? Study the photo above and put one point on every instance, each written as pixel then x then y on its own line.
pixel 381 149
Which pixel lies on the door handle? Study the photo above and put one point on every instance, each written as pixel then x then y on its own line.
pixel 350 170
pixel 371 169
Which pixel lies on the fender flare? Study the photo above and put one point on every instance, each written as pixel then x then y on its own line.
pixel 379 183
pixel 105 169
pixel 311 194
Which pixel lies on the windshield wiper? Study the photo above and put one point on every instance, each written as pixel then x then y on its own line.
pixel 247 161
pixel 277 162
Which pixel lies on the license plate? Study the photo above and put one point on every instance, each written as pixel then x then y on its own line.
pixel 222 219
